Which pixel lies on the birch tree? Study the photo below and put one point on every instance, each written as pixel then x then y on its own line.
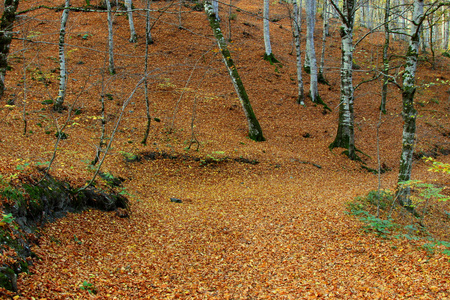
pixel 254 131
pixel 325 33
pixel 148 25
pixel 58 106
pixel 311 64
pixel 148 41
pixel 409 113
pixel 296 23
pixel 111 67
pixel 129 6
pixel 268 55
pixel 345 137
pixel 215 4
pixel 384 87
pixel 6 24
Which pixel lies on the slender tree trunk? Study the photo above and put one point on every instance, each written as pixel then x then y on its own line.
pixel 254 131
pixel 6 25
pixel 296 25
pixel 58 106
pixel 384 87
pixel 409 113
pixel 148 41
pixel 111 68
pixel 268 55
pixel 446 29
pixel 215 4
pixel 321 75
pixel 345 137
pixel 129 6
pixel 310 50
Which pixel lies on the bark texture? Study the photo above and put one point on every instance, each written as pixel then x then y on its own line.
pixel 6 25
pixel 345 137
pixel 311 61
pixel 409 113
pixel 296 22
pixel 129 6
pixel 111 67
pixel 254 129
pixel 62 59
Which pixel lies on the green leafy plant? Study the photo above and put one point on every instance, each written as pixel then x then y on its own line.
pixel 130 157
pixel 86 286
pixel 213 158
pixel 437 166
pixel 7 219
pixel 374 224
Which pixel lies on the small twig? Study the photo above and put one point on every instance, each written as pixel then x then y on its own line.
pixel 124 106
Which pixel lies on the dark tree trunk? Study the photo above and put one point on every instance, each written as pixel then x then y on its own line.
pixel 6 25
pixel 409 113
pixel 254 129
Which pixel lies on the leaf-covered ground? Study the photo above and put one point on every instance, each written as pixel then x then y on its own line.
pixel 272 230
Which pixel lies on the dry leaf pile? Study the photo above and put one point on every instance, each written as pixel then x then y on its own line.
pixel 256 220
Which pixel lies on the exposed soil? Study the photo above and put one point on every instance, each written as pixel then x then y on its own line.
pixel 260 220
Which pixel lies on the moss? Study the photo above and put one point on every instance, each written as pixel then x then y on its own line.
pixel 322 80
pixel 271 58
pixel 307 69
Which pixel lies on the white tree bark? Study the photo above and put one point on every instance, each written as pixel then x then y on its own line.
pixel 266 25
pixel 149 39
pixel 324 39
pixel 345 137
pixel 215 4
pixel 310 50
pixel 445 33
pixel 129 6
pixel 111 67
pixel 62 59
pixel 409 113
pixel 296 32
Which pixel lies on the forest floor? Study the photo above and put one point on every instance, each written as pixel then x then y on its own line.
pixel 258 220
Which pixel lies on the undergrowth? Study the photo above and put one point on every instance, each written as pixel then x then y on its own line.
pixel 381 215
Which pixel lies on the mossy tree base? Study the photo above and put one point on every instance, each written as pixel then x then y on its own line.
pixel 271 58
pixel 318 100
pixel 322 80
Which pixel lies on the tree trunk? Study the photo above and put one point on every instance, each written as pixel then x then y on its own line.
pixel 111 68
pixel 321 77
pixel 215 4
pixel 6 24
pixel 310 50
pixel 129 6
pixel 446 29
pixel 384 88
pixel 268 55
pixel 296 23
pixel 148 41
pixel 345 137
pixel 58 106
pixel 409 113
pixel 254 131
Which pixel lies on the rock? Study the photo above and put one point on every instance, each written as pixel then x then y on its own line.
pixel 176 200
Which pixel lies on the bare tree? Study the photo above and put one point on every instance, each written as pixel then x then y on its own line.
pixel 58 106
pixel 6 24
pixel 345 137
pixel 254 129
pixel 129 6
pixel 296 22
pixel 111 68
